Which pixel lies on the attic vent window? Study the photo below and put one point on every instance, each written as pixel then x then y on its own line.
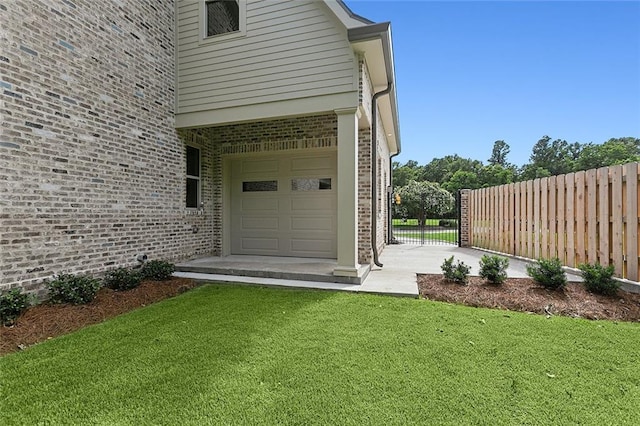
pixel 223 16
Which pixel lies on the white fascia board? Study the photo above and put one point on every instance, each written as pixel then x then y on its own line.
pixel 267 111
pixel 345 15
pixel 374 42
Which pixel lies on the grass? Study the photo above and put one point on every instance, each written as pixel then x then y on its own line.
pixel 414 222
pixel 448 236
pixel 226 354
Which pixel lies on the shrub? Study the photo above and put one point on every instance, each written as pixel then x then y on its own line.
pixel 12 304
pixel 122 279
pixel 549 273
pixel 494 268
pixel 458 273
pixel 76 289
pixel 599 279
pixel 158 270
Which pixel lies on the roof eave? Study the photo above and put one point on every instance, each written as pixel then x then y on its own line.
pixel 346 15
pixel 382 31
pixel 352 14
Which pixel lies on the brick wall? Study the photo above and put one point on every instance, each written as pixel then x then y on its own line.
pixel 364 174
pixel 364 196
pixel 383 181
pixel 92 171
pixel 91 168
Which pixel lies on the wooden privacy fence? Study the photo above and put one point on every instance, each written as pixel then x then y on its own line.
pixel 588 216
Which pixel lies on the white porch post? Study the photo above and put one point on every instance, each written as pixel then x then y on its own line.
pixel 347 193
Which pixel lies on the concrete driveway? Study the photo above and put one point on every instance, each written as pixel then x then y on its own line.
pixel 402 262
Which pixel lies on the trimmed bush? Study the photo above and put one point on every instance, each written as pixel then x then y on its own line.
pixel 122 279
pixel 458 273
pixel 76 289
pixel 494 268
pixel 158 270
pixel 12 304
pixel 549 273
pixel 599 279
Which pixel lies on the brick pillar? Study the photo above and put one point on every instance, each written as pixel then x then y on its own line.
pixel 465 218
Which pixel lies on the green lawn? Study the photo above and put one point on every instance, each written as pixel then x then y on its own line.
pixel 414 222
pixel 225 354
pixel 448 236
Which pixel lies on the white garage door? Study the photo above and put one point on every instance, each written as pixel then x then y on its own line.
pixel 284 205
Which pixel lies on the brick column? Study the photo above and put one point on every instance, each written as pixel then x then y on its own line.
pixel 465 218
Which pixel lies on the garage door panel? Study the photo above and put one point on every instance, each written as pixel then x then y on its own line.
pixel 260 204
pixel 324 204
pixel 260 223
pixel 255 243
pixel 312 224
pixel 312 247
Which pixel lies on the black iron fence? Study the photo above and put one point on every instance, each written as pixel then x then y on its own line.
pixel 424 230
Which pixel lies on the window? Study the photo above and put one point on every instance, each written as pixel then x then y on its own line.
pixel 222 20
pixel 310 184
pixel 193 177
pixel 260 186
pixel 222 16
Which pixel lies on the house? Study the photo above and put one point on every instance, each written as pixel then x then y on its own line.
pixel 192 128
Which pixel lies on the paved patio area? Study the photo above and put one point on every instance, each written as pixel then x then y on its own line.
pixel 400 262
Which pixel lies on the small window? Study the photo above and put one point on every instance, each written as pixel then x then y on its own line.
pixel 193 177
pixel 222 16
pixel 310 184
pixel 260 186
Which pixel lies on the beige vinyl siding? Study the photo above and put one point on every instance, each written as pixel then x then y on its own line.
pixel 291 50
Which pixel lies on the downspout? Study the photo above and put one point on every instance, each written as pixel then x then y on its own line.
pixel 374 172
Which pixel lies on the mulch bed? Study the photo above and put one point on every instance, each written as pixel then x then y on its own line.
pixel 45 321
pixel 524 294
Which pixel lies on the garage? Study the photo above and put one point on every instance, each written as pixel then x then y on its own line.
pixel 284 205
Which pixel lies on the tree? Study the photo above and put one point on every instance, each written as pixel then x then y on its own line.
pixel 496 175
pixel 499 153
pixel 614 151
pixel 403 174
pixel 440 170
pixel 461 180
pixel 551 158
pixel 423 200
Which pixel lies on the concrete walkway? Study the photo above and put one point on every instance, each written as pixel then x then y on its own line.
pixel 397 277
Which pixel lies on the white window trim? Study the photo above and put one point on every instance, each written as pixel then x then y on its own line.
pixel 242 25
pixel 198 178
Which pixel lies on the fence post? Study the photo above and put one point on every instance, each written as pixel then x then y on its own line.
pixel 464 218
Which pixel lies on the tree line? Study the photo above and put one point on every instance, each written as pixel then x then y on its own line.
pixel 548 158
pixel 428 191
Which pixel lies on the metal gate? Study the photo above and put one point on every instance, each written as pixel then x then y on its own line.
pixel 423 230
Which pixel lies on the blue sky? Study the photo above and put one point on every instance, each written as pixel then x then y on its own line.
pixel 470 73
